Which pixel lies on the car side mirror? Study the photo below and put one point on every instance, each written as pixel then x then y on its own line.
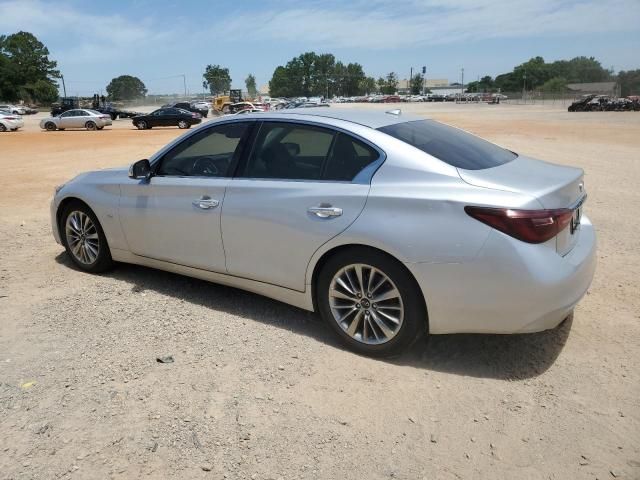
pixel 140 169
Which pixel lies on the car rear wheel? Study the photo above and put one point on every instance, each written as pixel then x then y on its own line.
pixel 90 126
pixel 50 126
pixel 371 301
pixel 84 239
pixel 183 124
pixel 142 125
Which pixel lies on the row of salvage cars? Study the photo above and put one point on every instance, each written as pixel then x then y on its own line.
pixel 605 103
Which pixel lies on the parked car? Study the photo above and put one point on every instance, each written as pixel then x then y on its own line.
pixel 189 107
pixel 391 226
pixel 167 117
pixel 77 118
pixel 15 109
pixel 10 121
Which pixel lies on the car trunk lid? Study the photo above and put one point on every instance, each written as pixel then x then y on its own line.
pixel 554 186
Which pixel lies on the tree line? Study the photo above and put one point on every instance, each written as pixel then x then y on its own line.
pixel 536 74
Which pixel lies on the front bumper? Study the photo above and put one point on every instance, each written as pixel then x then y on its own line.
pixel 510 287
pixel 53 212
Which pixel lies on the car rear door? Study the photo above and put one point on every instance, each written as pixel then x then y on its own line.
pixel 292 195
pixel 175 216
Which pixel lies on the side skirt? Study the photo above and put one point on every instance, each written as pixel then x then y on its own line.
pixel 292 297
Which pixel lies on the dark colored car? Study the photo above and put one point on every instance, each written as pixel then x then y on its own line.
pixel 167 117
pixel 188 107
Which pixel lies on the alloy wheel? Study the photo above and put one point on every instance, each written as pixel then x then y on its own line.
pixel 366 304
pixel 82 237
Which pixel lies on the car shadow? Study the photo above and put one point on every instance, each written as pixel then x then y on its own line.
pixel 504 357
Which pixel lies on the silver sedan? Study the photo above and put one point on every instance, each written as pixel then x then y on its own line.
pixel 77 118
pixel 390 226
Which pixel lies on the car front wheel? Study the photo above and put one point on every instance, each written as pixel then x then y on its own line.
pixel 371 301
pixel 50 126
pixel 142 125
pixel 84 239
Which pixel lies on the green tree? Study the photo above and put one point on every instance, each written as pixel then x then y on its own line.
pixel 310 74
pixel 24 61
pixel 555 85
pixel 216 79
pixel 388 85
pixel 250 82
pixel 629 82
pixel 280 84
pixel 417 83
pixel 126 87
pixel 368 86
pixel 43 91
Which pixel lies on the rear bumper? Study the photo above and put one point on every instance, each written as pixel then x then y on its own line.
pixel 510 287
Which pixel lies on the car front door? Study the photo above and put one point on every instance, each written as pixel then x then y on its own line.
pixel 66 119
pixel 175 216
pixel 298 189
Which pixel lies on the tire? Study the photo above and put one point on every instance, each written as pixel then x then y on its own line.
pixel 113 116
pixel 374 334
pixel 141 125
pixel 2 128
pixel 90 126
pixel 50 126
pixel 82 239
pixel 182 124
pixel 100 128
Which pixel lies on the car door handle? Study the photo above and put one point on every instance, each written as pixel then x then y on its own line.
pixel 206 203
pixel 325 212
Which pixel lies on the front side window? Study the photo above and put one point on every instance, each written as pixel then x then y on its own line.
pixel 452 146
pixel 209 153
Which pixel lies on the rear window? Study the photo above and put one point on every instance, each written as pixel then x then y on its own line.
pixel 452 146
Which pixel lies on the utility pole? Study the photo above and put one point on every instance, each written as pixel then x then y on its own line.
pixel 524 87
pixel 64 87
pixel 184 83
pixel 462 86
pixel 410 85
pixel 424 79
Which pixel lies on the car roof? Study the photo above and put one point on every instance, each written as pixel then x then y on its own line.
pixel 369 118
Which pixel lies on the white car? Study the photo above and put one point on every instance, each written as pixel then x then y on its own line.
pixel 201 105
pixel 15 109
pixel 77 118
pixel 10 121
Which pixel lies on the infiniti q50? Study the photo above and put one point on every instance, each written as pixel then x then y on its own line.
pixel 389 226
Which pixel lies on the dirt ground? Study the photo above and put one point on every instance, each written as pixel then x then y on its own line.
pixel 261 390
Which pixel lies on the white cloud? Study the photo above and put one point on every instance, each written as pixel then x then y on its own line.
pixel 380 25
pixel 88 38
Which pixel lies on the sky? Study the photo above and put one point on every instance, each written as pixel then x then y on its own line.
pixel 159 41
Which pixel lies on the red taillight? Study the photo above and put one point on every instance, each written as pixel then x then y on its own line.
pixel 531 226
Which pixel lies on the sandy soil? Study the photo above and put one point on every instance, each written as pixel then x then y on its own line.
pixel 261 390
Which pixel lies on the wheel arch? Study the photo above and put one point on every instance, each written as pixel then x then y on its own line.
pixel 322 260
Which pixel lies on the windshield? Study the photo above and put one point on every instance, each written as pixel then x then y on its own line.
pixel 452 146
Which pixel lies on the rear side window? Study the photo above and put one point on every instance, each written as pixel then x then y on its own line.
pixel 452 146
pixel 348 157
pixel 289 151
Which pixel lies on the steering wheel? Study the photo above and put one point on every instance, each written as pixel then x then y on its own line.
pixel 205 166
